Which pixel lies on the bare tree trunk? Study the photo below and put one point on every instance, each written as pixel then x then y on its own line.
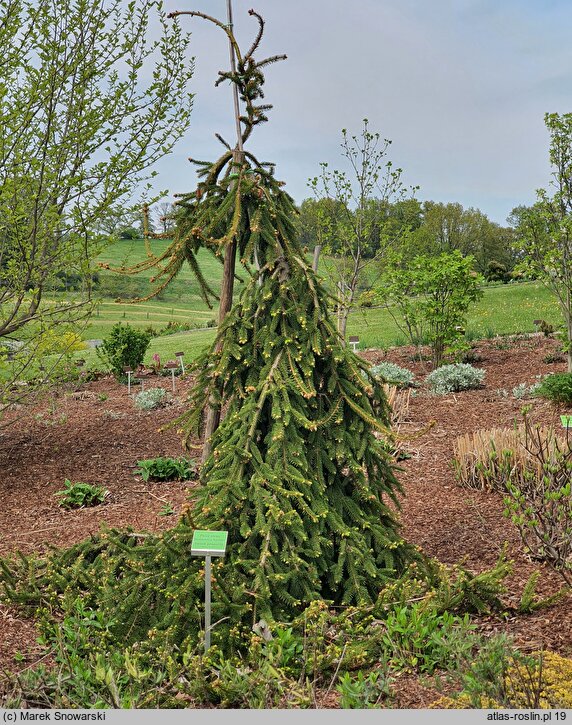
pixel 213 414
pixel 213 411
pixel 340 306
pixel 343 322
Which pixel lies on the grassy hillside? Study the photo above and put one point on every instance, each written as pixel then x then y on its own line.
pixel 179 302
pixel 504 309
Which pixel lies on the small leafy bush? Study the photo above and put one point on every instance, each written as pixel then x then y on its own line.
pixel 166 469
pixel 363 691
pixel 79 495
pixel 419 637
pixel 557 388
pixel 454 378
pixel 151 399
pixel 393 374
pixel 125 347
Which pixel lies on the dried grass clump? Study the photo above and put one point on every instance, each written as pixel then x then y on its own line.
pixel 398 399
pixel 487 459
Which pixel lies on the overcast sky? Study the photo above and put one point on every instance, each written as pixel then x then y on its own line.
pixel 459 86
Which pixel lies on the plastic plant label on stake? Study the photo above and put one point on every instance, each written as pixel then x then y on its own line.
pixel 208 544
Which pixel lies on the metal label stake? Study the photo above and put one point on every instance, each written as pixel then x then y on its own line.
pixel 172 366
pixel 179 356
pixel 208 544
pixel 129 372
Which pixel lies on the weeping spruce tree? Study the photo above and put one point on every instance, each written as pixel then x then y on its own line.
pixel 296 473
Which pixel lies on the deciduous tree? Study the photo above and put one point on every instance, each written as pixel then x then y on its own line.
pixel 544 230
pixel 88 103
pixel 350 224
pixel 429 296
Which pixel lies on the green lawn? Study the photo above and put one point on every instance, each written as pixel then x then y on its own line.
pixel 502 310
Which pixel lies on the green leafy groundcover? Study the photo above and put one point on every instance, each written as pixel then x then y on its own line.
pixel 120 615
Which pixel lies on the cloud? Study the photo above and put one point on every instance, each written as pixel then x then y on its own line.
pixel 460 86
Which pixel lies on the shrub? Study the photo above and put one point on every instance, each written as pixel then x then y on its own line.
pixel 367 298
pixel 363 691
pixel 486 682
pixel 151 398
pixel 501 677
pixel 497 272
pixel 393 374
pixel 52 343
pixel 557 388
pixel 166 469
pixel 428 297
pixel 421 638
pixel 125 347
pixel 539 502
pixel 78 495
pixel 453 378
pixel 129 233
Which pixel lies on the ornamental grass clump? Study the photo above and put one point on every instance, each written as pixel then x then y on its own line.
pixel 455 378
pixel 488 459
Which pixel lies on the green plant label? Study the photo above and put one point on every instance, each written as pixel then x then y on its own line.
pixel 566 420
pixel 209 542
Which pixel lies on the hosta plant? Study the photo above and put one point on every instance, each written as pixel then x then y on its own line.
pixel 166 469
pixel 78 495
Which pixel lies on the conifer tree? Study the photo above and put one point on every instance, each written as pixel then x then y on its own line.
pixel 297 473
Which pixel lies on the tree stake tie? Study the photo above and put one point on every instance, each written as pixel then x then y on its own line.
pixel 208 544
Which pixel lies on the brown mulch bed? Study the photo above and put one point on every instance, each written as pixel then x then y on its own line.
pixel 95 434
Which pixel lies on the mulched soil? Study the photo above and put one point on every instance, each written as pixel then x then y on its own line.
pixel 95 434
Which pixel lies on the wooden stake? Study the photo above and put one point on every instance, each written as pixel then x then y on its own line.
pixel 213 413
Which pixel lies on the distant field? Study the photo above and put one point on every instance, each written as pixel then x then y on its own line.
pixel 504 309
pixel 179 302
